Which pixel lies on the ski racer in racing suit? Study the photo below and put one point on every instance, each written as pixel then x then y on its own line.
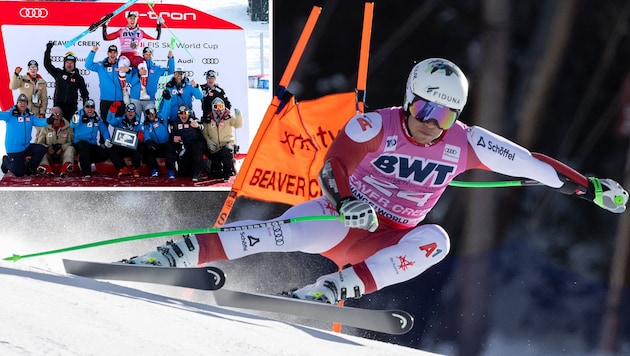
pixel 382 175
pixel 130 44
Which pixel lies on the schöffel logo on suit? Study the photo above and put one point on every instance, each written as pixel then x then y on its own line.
pixel 210 60
pixel 33 12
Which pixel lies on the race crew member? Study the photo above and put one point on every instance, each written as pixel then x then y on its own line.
pixel 383 173
pixel 157 143
pixel 219 134
pixel 155 73
pixel 17 139
pixel 57 137
pixel 88 129
pixel 33 86
pixel 131 38
pixel 107 70
pixel 211 90
pixel 129 121
pixel 68 82
pixel 178 91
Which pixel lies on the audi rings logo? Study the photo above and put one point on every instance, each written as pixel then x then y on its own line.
pixel 210 60
pixel 33 12
pixel 56 58
pixel 50 84
pixel 278 235
pixel 84 72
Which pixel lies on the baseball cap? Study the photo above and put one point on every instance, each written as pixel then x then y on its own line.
pixel 131 107
pixel 179 69
pixel 182 108
pixel 112 48
pixel 211 74
pixel 22 97
pixel 147 49
pixel 32 62
pixel 132 13
pixel 89 102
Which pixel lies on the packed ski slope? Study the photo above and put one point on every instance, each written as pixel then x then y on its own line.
pixel 48 313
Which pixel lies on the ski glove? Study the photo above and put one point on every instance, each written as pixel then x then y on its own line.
pixel 357 214
pixel 108 143
pixel 608 194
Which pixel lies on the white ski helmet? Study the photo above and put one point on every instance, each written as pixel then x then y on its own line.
pixel 437 80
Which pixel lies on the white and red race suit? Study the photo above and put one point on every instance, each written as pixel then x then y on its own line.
pixel 374 159
pixel 130 43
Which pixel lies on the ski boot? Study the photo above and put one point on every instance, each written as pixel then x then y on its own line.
pixel 183 253
pixel 144 95
pixel 333 287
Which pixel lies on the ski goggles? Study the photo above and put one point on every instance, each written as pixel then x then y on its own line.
pixel 424 111
pixel 218 106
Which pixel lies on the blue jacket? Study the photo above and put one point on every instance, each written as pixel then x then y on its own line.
pixel 175 95
pixel 155 72
pixel 19 128
pixel 107 77
pixel 123 123
pixel 155 131
pixel 86 131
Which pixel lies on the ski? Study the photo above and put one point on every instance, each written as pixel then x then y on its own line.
pixel 386 321
pixel 100 22
pixel 206 278
pixel 207 182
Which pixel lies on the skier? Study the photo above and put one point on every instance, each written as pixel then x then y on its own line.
pixel 382 175
pixel 130 44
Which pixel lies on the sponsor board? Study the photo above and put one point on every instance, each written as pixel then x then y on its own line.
pixel 207 42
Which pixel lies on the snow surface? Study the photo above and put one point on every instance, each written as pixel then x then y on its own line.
pixel 47 313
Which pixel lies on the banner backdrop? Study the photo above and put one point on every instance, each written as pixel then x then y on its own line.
pixel 207 42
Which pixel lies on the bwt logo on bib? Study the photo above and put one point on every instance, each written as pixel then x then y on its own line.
pixel 33 13
pixel 418 170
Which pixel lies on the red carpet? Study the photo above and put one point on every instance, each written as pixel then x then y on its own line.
pixel 107 181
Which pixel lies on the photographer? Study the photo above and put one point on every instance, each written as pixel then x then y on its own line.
pixel 57 136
